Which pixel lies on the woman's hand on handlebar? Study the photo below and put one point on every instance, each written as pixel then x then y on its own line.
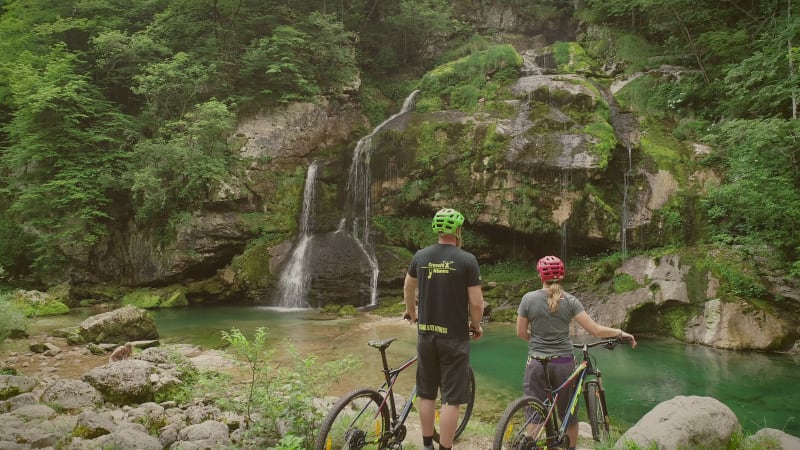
pixel 623 336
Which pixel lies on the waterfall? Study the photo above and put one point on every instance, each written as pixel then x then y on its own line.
pixel 566 181
pixel 295 277
pixel 625 212
pixel 359 190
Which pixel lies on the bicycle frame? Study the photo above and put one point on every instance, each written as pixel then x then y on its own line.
pixel 391 376
pixel 578 377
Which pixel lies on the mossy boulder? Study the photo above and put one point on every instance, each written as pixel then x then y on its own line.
pixel 122 325
pixel 155 298
pixel 37 304
pixel 13 385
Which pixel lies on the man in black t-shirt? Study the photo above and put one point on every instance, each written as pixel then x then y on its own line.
pixel 447 281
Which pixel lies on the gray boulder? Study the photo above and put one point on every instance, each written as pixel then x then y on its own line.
pixel 683 422
pixel 71 394
pixel 772 439
pixel 209 434
pixel 13 385
pixel 119 326
pixel 126 435
pixel 123 382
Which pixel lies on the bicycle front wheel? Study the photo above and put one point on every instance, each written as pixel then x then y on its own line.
pixel 597 412
pixel 522 426
pixel 357 421
pixel 465 414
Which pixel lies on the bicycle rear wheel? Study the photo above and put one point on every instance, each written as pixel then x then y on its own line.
pixel 596 410
pixel 356 421
pixel 522 426
pixel 466 411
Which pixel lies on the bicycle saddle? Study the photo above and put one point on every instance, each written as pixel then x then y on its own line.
pixel 382 344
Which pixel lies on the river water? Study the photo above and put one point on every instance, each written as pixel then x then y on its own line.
pixel 761 389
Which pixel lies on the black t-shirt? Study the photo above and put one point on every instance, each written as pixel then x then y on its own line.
pixel 444 273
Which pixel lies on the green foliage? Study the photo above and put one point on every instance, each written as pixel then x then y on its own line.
pixel 280 394
pixel 606 138
pixel 35 306
pixel 15 257
pixel 459 84
pixel 179 393
pixel 408 232
pixel 171 87
pixel 508 271
pixel 12 317
pixel 65 154
pixel 348 311
pixel 634 51
pixel 301 61
pixel 290 442
pixel 623 282
pixel 760 199
pixel 599 270
pixel 176 172
pixel 254 355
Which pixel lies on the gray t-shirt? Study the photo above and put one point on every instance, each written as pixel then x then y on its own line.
pixel 549 330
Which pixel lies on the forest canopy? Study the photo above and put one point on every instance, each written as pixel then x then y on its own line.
pixel 115 110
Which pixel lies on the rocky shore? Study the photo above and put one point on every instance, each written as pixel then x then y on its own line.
pixel 57 393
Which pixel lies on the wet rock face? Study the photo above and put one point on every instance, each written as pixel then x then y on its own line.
pixel 340 271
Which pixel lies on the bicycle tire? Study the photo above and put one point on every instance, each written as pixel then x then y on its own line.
pixel 463 418
pixel 357 421
pixel 513 429
pixel 596 411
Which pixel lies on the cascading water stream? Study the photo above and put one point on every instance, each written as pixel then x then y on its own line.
pixel 625 213
pixel 293 284
pixel 359 191
pixel 566 180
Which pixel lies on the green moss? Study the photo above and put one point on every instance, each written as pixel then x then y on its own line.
pixel 606 139
pixel 252 266
pixel 594 272
pixel 623 282
pixel 155 298
pixel 667 152
pixel 174 300
pixel 85 432
pixel 8 392
pixel 674 320
pixel 508 271
pixel 461 83
pixel 347 311
pixel 571 57
pixel 143 298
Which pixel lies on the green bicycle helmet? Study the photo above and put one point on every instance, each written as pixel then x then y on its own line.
pixel 447 221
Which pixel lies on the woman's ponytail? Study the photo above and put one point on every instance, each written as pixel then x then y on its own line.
pixel 554 294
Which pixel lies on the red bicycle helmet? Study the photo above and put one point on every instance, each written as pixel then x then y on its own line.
pixel 550 268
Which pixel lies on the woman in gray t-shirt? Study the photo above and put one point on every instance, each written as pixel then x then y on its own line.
pixel 543 320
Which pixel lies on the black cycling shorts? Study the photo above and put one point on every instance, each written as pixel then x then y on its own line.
pixel 443 365
pixel 535 383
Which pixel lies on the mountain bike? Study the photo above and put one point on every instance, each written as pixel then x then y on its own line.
pixel 368 418
pixel 529 423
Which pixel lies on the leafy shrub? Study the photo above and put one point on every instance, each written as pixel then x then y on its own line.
pixel 462 82
pixel 281 397
pixel 11 317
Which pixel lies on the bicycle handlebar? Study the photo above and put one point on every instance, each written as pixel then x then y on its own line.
pixel 607 343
